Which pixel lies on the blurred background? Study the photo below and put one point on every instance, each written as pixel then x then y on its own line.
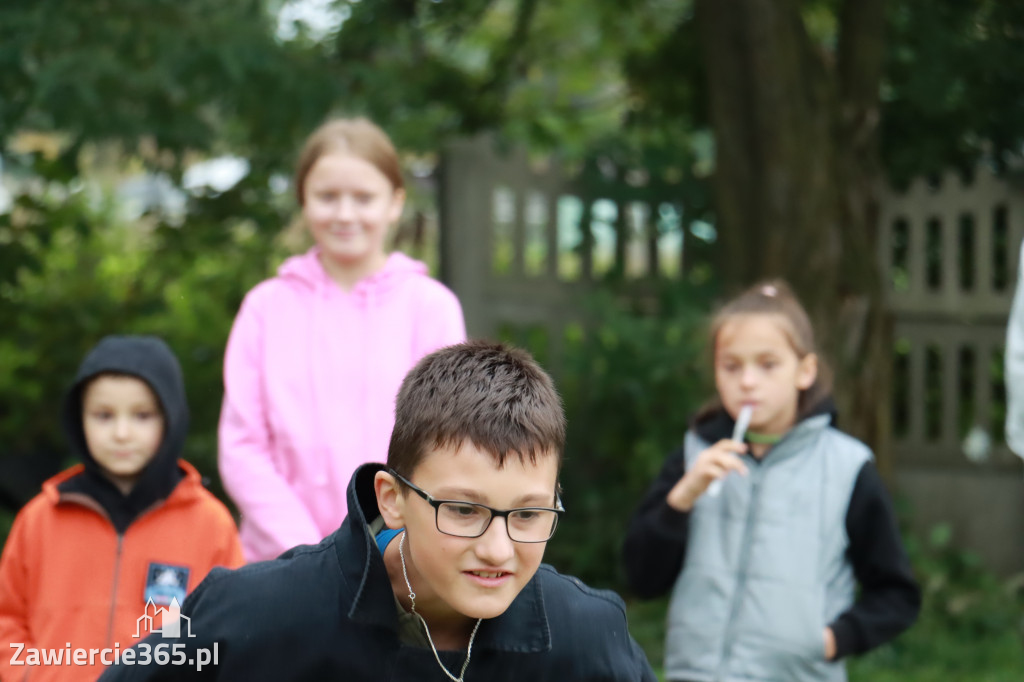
pixel 590 177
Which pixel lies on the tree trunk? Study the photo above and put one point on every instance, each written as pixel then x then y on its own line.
pixel 796 180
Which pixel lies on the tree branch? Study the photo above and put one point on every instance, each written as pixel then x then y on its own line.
pixel 501 66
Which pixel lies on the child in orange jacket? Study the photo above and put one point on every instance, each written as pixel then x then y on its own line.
pixel 131 524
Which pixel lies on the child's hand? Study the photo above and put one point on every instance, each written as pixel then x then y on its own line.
pixel 711 465
pixel 830 644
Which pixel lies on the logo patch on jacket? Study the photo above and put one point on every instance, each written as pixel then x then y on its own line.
pixel 165 582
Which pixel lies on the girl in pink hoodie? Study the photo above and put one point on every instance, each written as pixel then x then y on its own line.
pixel 316 354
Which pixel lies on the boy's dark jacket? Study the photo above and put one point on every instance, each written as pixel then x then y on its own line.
pixel 328 612
pixel 654 550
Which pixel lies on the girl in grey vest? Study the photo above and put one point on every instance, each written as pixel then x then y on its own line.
pixel 764 539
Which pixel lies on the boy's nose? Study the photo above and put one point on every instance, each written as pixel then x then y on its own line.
pixel 495 546
pixel 121 428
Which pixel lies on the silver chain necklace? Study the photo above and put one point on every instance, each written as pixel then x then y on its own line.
pixel 412 599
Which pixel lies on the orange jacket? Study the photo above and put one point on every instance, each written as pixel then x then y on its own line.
pixel 69 581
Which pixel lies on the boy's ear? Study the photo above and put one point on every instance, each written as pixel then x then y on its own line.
pixel 807 371
pixel 390 500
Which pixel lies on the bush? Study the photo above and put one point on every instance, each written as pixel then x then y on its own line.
pixel 970 626
pixel 83 274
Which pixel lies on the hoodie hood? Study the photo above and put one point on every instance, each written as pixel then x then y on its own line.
pixel 151 360
pixel 305 270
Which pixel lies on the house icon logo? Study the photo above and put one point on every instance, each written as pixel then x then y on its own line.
pixel 170 623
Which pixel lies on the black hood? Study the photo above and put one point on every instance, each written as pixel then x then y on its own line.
pixel 151 360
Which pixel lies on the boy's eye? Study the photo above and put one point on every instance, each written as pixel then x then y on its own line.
pixel 462 512
pixel 534 521
pixel 145 415
pixel 101 415
pixel 526 516
pixel 363 197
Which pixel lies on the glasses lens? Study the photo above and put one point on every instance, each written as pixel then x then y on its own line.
pixel 532 525
pixel 461 518
pixel 470 520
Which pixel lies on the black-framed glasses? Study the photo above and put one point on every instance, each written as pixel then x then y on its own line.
pixel 471 520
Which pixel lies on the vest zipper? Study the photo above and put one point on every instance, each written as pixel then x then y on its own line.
pixel 755 497
pixel 113 595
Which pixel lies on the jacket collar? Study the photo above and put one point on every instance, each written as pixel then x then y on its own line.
pixel 522 628
pixel 714 424
pixel 76 485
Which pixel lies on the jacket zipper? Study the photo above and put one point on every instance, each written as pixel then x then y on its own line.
pixel 117 574
pixel 748 528
pixel 113 593
pixel 89 503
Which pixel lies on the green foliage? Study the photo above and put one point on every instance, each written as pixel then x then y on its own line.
pixel 630 378
pixel 647 627
pixel 546 73
pixel 952 94
pixel 88 274
pixel 970 626
pixel 181 73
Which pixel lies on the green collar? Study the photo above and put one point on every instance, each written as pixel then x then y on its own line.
pixel 762 438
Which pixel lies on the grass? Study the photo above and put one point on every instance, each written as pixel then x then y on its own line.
pixel 647 625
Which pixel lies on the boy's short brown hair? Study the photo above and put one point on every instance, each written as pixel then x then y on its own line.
pixel 493 395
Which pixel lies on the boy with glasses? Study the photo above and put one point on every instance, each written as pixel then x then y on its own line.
pixel 436 573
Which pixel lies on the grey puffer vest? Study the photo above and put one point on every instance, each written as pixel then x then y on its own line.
pixel 766 569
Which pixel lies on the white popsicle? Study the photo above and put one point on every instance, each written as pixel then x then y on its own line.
pixel 738 432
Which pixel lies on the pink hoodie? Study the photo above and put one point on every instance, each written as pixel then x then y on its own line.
pixel 310 375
